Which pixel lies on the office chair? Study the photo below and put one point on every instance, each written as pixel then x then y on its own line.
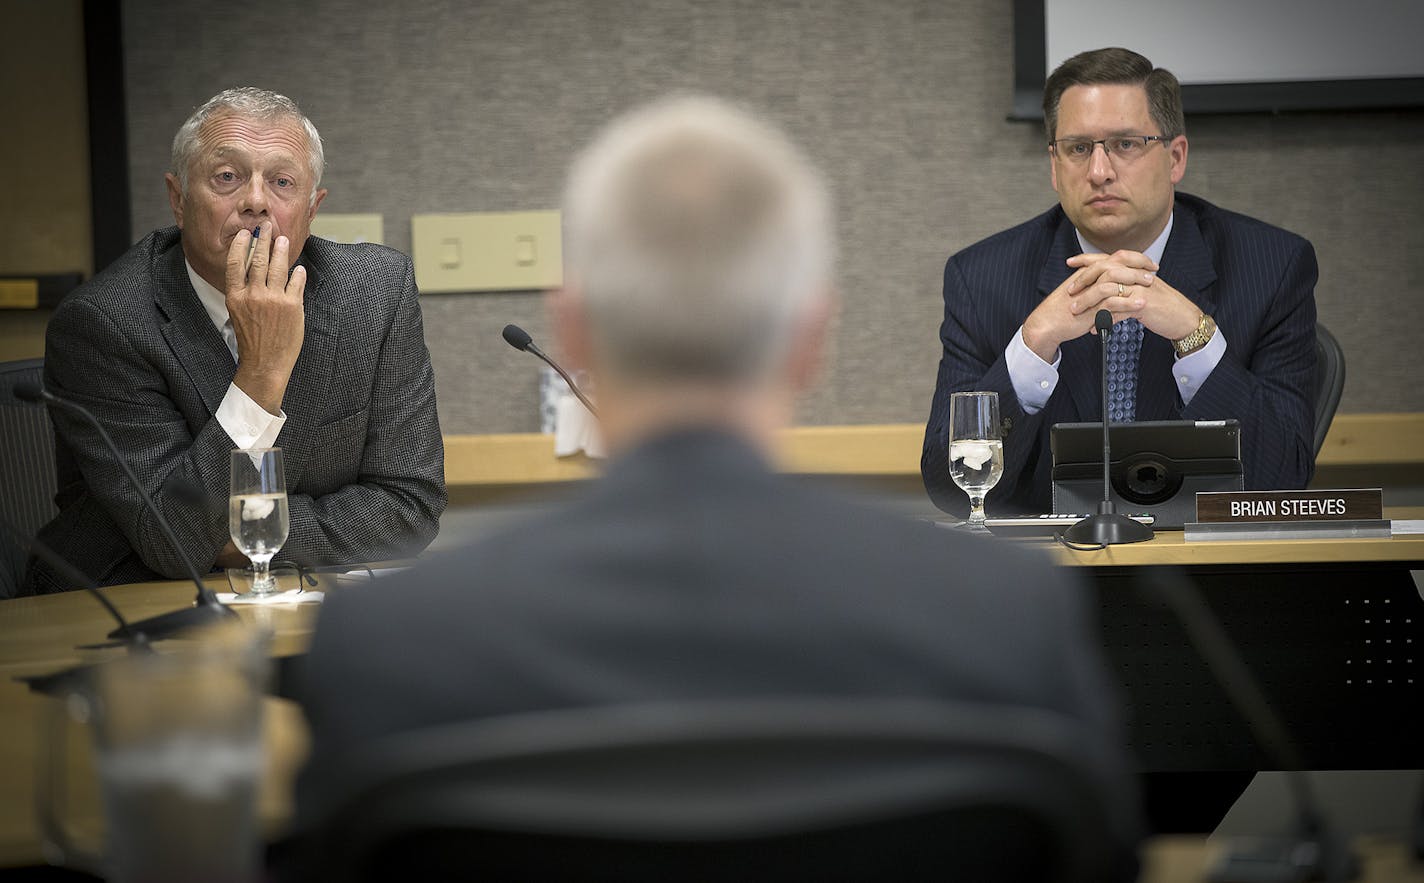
pixel 26 469
pixel 805 789
pixel 1329 381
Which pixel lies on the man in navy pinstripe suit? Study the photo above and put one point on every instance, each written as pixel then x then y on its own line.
pixel 1225 303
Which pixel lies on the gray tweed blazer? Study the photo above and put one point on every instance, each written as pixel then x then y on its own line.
pixel 364 456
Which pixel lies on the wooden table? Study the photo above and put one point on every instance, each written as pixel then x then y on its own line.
pixel 39 635
pixel 1187 859
pixel 1168 548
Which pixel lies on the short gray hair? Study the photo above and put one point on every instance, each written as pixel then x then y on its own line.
pixel 698 236
pixel 250 103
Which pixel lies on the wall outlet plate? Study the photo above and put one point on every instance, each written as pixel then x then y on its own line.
pixel 350 228
pixel 487 251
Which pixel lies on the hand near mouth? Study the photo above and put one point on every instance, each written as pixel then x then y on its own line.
pixel 264 302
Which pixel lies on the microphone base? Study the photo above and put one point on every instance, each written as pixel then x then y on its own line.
pixel 168 624
pixel 1108 529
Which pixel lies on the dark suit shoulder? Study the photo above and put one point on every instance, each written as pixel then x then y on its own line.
pixel 761 526
pixel 344 262
pixel 367 281
pixel 122 292
pixel 1223 227
pixel 130 273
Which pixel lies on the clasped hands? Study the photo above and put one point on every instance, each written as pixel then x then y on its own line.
pixel 1126 284
pixel 264 302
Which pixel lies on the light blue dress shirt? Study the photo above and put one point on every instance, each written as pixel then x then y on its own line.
pixel 1034 379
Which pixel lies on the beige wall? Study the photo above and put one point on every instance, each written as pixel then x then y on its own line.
pixel 453 106
pixel 44 155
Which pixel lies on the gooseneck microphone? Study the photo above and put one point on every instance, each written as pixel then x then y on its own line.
pixel 1108 527
pixel 206 608
pixel 519 339
pixel 32 546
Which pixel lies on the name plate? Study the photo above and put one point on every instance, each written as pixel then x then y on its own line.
pixel 1252 506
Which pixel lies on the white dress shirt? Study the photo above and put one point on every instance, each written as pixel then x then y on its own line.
pixel 1034 379
pixel 247 423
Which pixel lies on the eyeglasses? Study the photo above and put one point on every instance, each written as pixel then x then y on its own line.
pixel 292 576
pixel 1123 147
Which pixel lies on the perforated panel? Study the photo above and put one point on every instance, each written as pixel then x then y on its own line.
pixel 1335 651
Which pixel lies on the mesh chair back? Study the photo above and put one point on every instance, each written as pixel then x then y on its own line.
pixel 1329 381
pixel 26 468
pixel 768 790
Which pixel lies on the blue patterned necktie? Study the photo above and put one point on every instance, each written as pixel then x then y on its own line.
pixel 1124 345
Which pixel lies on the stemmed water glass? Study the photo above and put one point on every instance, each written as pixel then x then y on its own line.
pixel 976 451
pixel 257 511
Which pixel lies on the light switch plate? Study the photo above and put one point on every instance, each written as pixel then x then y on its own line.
pixel 350 228
pixel 487 251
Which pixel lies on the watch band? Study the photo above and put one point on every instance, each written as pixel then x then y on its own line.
pixel 1197 339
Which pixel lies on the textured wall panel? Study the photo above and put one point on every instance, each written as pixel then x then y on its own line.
pixel 477 106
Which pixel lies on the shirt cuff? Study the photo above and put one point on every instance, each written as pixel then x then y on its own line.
pixel 1191 371
pixel 247 423
pixel 1034 379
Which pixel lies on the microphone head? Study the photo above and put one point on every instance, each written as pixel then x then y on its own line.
pixel 517 337
pixel 29 391
pixel 1103 321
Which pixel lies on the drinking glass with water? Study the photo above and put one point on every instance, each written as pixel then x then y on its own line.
pixel 176 741
pixel 976 450
pixel 257 515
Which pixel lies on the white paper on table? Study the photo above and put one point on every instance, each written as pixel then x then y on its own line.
pixel 303 597
pixel 1401 525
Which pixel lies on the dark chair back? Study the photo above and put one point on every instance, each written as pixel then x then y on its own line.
pixel 26 468
pixel 823 790
pixel 1329 381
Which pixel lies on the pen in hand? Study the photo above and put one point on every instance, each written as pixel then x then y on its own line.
pixel 251 247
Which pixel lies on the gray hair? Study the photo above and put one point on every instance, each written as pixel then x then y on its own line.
pixel 250 103
pixel 698 236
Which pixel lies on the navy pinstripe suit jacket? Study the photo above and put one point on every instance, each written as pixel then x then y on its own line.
pixel 1255 280
pixel 364 455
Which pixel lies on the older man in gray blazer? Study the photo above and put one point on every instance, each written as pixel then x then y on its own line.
pixel 235 329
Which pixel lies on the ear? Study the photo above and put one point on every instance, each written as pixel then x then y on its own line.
pixel 316 204
pixel 808 343
pixel 175 198
pixel 570 320
pixel 1177 150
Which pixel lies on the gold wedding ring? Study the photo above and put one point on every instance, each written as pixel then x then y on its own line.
pixel 1119 289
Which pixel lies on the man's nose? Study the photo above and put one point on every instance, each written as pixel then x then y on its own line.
pixel 1100 167
pixel 254 196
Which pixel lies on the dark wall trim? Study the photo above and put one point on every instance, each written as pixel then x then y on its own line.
pixel 108 131
pixel 1378 93
pixel 1030 67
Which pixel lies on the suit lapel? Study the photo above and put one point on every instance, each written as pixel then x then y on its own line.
pixel 1186 266
pixel 189 331
pixel 309 388
pixel 1080 369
